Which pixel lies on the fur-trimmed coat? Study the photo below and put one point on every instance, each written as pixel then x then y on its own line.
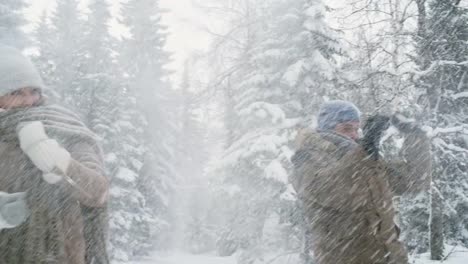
pixel 347 197
pixel 57 229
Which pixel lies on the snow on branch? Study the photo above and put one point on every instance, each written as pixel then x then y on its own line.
pixel 276 171
pixel 449 130
pixel 440 63
pixel 460 95
pixel 263 109
pixel 444 145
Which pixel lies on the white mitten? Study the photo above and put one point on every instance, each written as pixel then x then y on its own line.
pixel 52 178
pixel 44 152
pixel 31 133
pixel 13 209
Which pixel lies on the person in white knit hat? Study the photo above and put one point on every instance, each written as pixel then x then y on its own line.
pixel 20 82
pixel 53 190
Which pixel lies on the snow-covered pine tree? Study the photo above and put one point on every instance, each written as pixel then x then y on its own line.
pixel 129 217
pixel 144 59
pixel 44 40
pixel 99 85
pixel 192 231
pixel 288 69
pixel 11 21
pixel 110 112
pixel 66 51
pixel 236 222
pixel 442 57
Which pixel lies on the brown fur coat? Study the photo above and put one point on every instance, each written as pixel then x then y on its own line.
pixel 67 221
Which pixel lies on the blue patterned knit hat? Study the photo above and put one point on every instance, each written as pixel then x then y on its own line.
pixel 335 112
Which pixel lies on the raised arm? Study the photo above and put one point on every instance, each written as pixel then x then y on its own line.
pixel 78 167
pixel 413 173
pixel 85 176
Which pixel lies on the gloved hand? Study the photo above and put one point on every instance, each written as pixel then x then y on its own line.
pixel 373 131
pixel 405 125
pixel 44 152
pixel 13 209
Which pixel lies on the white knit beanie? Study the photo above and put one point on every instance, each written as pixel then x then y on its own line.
pixel 17 71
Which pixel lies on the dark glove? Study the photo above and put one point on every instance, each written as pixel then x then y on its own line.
pixel 373 131
pixel 404 125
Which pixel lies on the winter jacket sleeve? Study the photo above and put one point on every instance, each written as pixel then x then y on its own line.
pixel 85 178
pixel 413 173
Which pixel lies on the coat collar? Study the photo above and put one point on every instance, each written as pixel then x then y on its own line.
pixel 324 141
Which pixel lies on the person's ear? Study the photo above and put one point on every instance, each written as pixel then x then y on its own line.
pixel 41 101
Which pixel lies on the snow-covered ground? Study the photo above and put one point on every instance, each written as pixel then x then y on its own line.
pixel 184 258
pixel 457 255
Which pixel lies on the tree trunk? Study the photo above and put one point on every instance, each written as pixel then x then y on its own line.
pixel 436 225
pixel 421 18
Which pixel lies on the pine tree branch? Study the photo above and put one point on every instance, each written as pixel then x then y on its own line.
pixel 444 145
pixel 438 64
pixel 461 95
pixel 449 130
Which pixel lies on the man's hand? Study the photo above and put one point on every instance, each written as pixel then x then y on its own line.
pixel 44 152
pixel 373 131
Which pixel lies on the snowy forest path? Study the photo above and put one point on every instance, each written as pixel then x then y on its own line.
pixel 183 258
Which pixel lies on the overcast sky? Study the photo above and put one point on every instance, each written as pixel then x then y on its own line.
pixel 183 20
